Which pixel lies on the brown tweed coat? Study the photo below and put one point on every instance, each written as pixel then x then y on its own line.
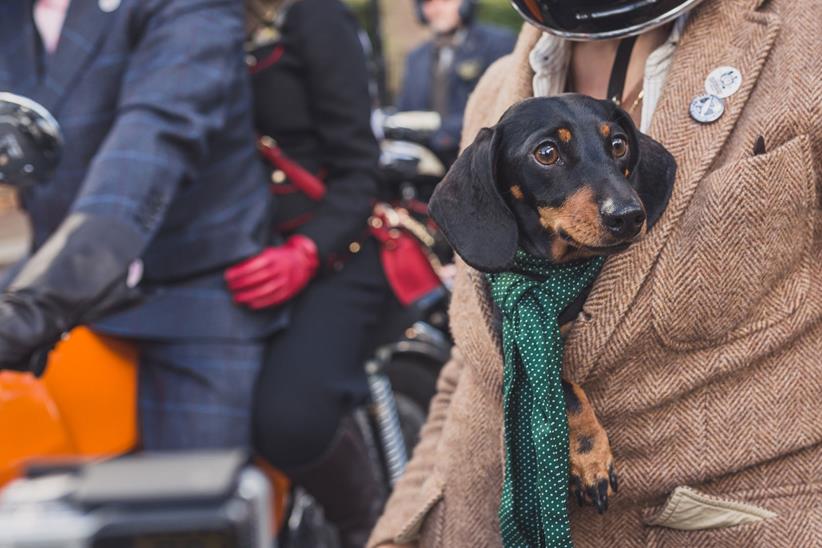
pixel 700 347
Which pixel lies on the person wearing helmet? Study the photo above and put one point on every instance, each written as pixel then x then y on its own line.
pixel 441 73
pixel 154 107
pixel 699 346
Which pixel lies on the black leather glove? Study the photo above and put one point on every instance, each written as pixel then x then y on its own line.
pixel 79 275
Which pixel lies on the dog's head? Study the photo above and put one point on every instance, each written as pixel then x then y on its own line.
pixel 563 177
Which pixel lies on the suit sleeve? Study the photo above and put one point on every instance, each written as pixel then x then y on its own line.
pixel 185 61
pixel 337 83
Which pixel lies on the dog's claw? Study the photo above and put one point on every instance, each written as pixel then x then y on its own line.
pixel 599 496
pixel 602 497
pixel 593 496
pixel 612 478
pixel 578 489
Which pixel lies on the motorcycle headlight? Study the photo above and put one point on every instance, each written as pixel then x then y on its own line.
pixel 30 141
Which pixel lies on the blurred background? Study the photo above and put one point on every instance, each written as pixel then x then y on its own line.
pixel 399 32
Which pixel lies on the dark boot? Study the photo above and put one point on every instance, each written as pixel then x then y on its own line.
pixel 346 484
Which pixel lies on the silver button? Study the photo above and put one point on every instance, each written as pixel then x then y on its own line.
pixel 707 108
pixel 278 177
pixel 723 82
pixel 108 6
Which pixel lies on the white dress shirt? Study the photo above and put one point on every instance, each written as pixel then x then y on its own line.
pixel 49 16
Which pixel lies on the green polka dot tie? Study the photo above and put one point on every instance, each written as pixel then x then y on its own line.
pixel 533 510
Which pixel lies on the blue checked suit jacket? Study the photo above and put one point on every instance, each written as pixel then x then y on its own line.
pixel 154 103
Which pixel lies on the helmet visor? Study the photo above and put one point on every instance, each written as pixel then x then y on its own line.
pixel 600 19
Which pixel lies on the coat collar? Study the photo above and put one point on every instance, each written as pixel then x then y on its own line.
pixel 728 32
pixel 86 23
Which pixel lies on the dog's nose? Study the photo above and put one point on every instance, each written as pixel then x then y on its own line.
pixel 625 222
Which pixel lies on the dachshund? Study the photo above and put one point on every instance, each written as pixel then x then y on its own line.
pixel 563 178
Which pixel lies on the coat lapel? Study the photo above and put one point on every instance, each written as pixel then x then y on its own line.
pixel 83 29
pixel 718 33
pixel 20 65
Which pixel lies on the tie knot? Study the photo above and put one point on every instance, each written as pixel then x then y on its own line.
pixel 516 292
pixel 541 286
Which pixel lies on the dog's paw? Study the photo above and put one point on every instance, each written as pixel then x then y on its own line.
pixel 593 478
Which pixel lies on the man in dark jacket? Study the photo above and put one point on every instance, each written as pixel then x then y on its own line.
pixel 159 165
pixel 441 73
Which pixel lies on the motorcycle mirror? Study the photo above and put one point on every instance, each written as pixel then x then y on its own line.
pixel 30 141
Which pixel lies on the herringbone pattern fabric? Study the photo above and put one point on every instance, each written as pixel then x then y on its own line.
pixel 701 347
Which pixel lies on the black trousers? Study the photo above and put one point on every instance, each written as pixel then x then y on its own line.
pixel 314 370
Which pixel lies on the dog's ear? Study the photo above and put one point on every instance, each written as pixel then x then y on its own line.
pixel 470 211
pixel 653 169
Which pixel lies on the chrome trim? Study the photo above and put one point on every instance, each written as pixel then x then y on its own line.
pixel 610 35
pixel 604 14
pixel 388 422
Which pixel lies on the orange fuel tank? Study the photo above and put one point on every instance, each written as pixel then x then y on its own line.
pixel 84 406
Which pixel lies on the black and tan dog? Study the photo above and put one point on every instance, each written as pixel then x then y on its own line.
pixel 563 178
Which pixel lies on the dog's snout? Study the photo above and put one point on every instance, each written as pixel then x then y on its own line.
pixel 624 222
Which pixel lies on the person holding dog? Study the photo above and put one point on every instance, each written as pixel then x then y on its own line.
pixel 441 73
pixel 698 346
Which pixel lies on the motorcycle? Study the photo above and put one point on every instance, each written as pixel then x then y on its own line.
pixel 84 404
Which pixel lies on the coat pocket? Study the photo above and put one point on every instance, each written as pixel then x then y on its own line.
pixel 779 516
pixel 739 260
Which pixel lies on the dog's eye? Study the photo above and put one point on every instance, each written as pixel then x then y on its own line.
pixel 619 146
pixel 546 154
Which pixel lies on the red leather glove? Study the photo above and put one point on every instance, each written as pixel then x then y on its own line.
pixel 275 275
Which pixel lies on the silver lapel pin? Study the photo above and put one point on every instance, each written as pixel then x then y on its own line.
pixel 723 82
pixel 707 108
pixel 108 6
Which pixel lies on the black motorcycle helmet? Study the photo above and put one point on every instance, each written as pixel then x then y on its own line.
pixel 600 19
pixel 467 10
pixel 30 141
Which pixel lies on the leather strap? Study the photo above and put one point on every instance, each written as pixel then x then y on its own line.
pixel 308 183
pixel 616 83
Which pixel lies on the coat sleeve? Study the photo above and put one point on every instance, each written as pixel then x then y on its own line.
pixel 337 83
pixel 404 500
pixel 185 61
